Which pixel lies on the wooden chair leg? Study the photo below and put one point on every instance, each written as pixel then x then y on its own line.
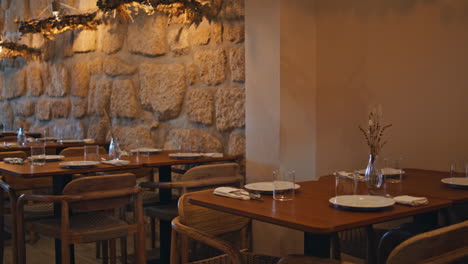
pixel 65 252
pixel 112 252
pixel 123 249
pixel 98 249
pixel 371 247
pixel 174 248
pixel 105 254
pixel 153 232
pixel 336 249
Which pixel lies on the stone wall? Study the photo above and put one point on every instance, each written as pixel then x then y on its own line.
pixel 162 82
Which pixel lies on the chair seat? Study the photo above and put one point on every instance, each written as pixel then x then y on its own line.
pixel 83 228
pixel 165 212
pixel 246 258
pixel 149 197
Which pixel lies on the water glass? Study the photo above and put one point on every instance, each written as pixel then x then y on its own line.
pixel 283 185
pixel 459 168
pixel 91 153
pixel 21 137
pixel 38 156
pixel 345 183
pixel 393 170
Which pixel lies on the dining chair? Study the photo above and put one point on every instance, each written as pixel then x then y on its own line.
pixel 9 139
pixel 446 245
pixel 89 199
pixel 208 226
pixel 78 151
pixel 12 186
pixel 196 178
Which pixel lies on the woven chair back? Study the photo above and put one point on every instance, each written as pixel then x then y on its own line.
pixel 212 171
pixel 444 245
pixel 78 151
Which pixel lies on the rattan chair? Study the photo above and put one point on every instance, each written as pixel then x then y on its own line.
pixel 90 199
pixel 206 226
pixel 197 178
pixel 78 151
pixel 11 186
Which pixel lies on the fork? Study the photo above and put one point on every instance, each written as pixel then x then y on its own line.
pixel 252 196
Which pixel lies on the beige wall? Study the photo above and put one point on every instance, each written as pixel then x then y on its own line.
pixel 339 57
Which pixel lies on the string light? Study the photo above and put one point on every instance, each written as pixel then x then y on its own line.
pixel 55 6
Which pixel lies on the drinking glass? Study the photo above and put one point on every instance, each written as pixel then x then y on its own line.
pixel 141 156
pixel 283 185
pixel 38 155
pixel 459 168
pixel 345 183
pixel 21 137
pixel 91 153
pixel 393 170
pixel 114 149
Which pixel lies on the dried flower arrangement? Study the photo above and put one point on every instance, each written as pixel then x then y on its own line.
pixel 51 26
pixel 13 50
pixel 375 131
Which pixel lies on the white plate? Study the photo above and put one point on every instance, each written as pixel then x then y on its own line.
pixel 362 202
pixel 385 171
pixel 79 164
pixel 456 182
pixel 265 187
pixel 185 155
pixel 71 141
pixel 47 139
pixel 146 150
pixel 53 157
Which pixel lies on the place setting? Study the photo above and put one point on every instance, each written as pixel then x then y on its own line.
pixel 458 175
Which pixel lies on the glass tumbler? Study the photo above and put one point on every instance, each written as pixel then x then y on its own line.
pixel 284 185
pixel 38 156
pixel 91 153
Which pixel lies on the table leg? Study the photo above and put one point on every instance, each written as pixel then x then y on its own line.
pixel 165 196
pixel 317 245
pixel 58 183
pixel 428 219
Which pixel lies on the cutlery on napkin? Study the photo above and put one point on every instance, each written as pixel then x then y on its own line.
pixel 116 162
pixel 236 193
pixel 350 175
pixel 410 200
pixel 212 155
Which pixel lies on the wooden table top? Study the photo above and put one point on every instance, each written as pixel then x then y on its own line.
pixel 28 170
pixel 14 133
pixel 310 211
pixel 50 145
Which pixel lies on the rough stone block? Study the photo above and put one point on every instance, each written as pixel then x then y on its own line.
pixel 236 145
pixel 13 83
pixel 237 64
pixel 234 32
pixel 85 41
pixel 86 5
pixel 216 32
pixel 200 105
pixel 79 107
pixel 233 9
pixel 98 130
pixel 6 115
pixel 23 108
pixel 18 9
pixel 42 110
pixel 178 40
pixel 211 65
pixel 99 96
pixel 37 6
pixel 200 34
pixel 111 37
pixel 95 65
pixel 162 86
pixel 34 80
pixel 128 136
pixel 192 74
pixel 115 67
pixel 147 35
pixel 230 108
pixel 80 79
pixel 123 99
pixel 68 130
pixel 58 81
pixel 2 98
pixel 60 108
pixel 193 139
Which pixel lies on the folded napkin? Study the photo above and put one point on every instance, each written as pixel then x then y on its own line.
pixel 410 200
pixel 88 140
pixel 350 175
pixel 13 160
pixel 116 162
pixel 232 193
pixel 212 155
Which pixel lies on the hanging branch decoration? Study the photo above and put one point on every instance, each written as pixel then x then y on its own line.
pixel 54 25
pixel 13 50
pixel 194 10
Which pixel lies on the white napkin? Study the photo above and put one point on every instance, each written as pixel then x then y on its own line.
pixel 88 140
pixel 14 160
pixel 116 162
pixel 410 200
pixel 232 193
pixel 350 175
pixel 212 155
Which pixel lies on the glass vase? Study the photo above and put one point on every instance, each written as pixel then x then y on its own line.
pixel 373 176
pixel 114 149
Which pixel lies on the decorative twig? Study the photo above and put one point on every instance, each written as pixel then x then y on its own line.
pixel 375 132
pixel 13 50
pixel 51 26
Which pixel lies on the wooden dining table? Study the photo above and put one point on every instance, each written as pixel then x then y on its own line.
pixel 311 212
pixel 61 176
pixel 52 148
